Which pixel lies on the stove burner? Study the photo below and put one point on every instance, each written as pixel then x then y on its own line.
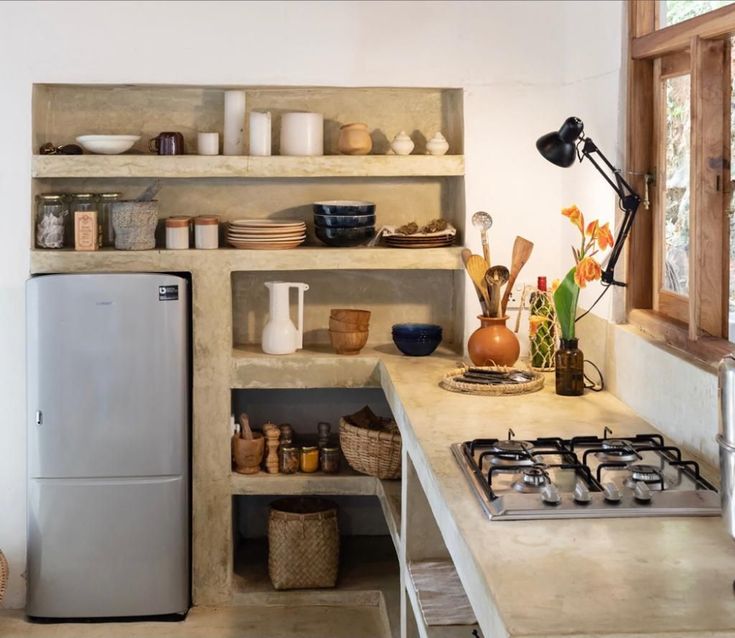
pixel 648 474
pixel 616 450
pixel 532 480
pixel 511 453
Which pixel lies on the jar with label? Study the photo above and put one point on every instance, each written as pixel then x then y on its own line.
pixel 288 459
pixel 104 214
pixel 329 460
pixel 79 202
pixel 50 221
pixel 177 232
pixel 206 232
pixel 309 459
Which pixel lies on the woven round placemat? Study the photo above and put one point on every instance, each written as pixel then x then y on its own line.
pixel 450 382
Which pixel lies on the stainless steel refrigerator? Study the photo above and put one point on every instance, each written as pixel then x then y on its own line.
pixel 108 445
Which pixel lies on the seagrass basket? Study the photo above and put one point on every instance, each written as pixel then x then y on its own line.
pixel 3 575
pixel 303 543
pixel 371 451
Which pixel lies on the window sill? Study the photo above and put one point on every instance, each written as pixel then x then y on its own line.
pixel 706 351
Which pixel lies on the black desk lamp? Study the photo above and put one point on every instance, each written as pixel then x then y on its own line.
pixel 562 147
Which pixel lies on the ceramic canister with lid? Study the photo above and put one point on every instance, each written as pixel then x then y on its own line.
pixel 302 134
pixel 206 232
pixel 177 232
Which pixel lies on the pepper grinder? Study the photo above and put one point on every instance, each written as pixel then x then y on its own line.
pixel 324 429
pixel 272 434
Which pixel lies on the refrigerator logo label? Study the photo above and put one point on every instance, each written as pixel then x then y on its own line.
pixel 168 293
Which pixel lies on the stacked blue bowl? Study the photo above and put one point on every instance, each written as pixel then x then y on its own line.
pixel 344 223
pixel 417 339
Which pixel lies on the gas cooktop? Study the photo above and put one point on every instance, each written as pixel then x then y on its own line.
pixel 584 477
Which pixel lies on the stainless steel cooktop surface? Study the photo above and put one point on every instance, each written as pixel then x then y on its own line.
pixel 584 477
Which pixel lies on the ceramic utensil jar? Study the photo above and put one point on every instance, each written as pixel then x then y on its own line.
pixel 280 336
pixel 493 343
pixel 354 139
pixel 302 134
pixel 206 232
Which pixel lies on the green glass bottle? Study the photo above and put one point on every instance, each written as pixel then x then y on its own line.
pixel 542 328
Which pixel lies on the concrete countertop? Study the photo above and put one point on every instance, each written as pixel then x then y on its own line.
pixel 591 577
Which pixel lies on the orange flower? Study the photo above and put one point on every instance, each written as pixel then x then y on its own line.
pixel 592 229
pixel 604 237
pixel 575 216
pixel 554 285
pixel 534 322
pixel 587 270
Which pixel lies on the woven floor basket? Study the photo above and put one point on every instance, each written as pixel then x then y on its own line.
pixel 372 452
pixel 3 575
pixel 303 543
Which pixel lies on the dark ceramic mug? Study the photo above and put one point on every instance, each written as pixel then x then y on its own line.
pixel 167 143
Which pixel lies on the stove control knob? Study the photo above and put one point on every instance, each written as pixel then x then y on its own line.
pixel 642 492
pixel 550 495
pixel 582 493
pixel 612 493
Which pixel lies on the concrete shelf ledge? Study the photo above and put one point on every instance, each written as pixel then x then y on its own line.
pixel 198 166
pixel 227 260
pixel 346 482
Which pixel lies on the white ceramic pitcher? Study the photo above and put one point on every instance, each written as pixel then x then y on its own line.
pixel 280 336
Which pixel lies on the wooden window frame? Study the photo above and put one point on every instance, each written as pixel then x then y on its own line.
pixel 698 323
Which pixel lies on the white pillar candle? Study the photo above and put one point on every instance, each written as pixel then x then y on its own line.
pixel 260 133
pixel 233 143
pixel 302 134
pixel 208 143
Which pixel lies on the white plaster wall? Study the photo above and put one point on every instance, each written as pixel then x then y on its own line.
pixel 508 56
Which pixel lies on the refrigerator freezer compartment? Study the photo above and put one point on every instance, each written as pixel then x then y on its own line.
pixel 107 547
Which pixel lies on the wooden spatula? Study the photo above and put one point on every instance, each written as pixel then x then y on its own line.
pixel 476 268
pixel 522 249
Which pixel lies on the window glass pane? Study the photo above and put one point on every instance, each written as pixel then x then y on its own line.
pixel 673 11
pixel 676 202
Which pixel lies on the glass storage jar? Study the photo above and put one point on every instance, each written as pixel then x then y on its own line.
pixel 288 459
pixel 329 460
pixel 309 461
pixel 50 221
pixel 107 233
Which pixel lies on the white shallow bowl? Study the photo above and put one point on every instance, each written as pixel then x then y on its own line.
pixel 107 144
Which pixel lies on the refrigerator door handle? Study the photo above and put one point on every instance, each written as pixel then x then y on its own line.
pixel 39 417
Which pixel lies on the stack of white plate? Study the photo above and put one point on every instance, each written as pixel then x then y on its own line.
pixel 265 234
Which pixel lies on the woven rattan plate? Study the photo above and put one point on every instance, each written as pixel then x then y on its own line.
pixel 450 382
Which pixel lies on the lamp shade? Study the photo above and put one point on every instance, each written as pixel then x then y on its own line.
pixel 559 147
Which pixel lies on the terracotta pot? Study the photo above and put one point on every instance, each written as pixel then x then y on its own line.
pixel 354 139
pixel 248 453
pixel 493 343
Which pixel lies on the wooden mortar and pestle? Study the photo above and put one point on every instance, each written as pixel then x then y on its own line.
pixel 247 448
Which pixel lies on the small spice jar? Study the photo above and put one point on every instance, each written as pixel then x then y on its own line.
pixel 177 232
pixel 329 460
pixel 288 459
pixel 206 232
pixel 309 460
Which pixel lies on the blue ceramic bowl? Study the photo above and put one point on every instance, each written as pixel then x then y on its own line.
pixel 344 221
pixel 344 207
pixel 417 339
pixel 344 237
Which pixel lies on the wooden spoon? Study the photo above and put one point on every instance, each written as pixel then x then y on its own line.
pixel 522 249
pixel 495 277
pixel 476 268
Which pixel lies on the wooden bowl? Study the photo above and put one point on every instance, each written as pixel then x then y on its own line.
pixel 348 342
pixel 350 316
pixel 347 326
